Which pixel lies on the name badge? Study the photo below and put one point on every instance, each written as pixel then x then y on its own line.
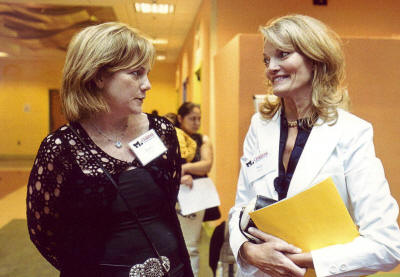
pixel 147 147
pixel 255 167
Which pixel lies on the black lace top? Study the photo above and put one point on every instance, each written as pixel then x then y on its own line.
pixel 69 196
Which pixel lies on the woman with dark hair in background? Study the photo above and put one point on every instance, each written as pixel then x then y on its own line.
pixel 189 118
pixel 95 207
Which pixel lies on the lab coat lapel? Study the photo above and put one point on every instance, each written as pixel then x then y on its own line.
pixel 269 141
pixel 320 144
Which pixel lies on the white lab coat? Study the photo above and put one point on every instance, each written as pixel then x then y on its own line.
pixel 345 152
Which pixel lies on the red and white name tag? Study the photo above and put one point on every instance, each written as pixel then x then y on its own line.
pixel 255 167
pixel 147 147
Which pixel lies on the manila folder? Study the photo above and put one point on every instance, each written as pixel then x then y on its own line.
pixel 312 219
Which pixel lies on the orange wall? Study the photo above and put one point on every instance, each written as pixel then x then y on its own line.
pixel 226 123
pixel 163 96
pixel 362 18
pixel 24 104
pixel 251 81
pixel 202 21
pixel 373 74
pixel 240 76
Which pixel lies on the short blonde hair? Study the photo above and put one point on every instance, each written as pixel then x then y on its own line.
pixel 316 41
pixel 100 49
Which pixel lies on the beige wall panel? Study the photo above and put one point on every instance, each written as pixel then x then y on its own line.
pixel 348 18
pixel 227 101
pixel 373 74
pixel 239 71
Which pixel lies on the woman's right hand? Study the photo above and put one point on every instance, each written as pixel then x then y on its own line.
pixel 270 257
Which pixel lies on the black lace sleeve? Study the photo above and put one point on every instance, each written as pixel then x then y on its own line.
pixel 168 171
pixel 44 193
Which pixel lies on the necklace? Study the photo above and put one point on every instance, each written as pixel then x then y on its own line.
pixel 292 123
pixel 117 142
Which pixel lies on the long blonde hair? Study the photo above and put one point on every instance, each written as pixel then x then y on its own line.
pixel 316 41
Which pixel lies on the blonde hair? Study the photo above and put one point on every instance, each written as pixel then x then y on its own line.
pixel 100 49
pixel 316 41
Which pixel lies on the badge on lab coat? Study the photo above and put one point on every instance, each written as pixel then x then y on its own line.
pixel 255 167
pixel 147 147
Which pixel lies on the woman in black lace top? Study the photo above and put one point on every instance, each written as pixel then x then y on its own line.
pixel 76 218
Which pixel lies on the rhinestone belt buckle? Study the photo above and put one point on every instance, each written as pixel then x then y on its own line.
pixel 150 268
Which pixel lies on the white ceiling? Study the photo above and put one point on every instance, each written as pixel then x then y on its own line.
pixel 26 43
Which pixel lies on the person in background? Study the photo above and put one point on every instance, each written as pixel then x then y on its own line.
pixel 307 139
pixel 189 118
pixel 187 146
pixel 78 220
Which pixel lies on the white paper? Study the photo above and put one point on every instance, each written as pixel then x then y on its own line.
pixel 202 195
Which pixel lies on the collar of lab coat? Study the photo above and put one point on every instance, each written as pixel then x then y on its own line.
pixel 320 145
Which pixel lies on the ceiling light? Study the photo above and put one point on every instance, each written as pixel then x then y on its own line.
pixel 154 8
pixel 159 41
pixel 3 54
pixel 161 58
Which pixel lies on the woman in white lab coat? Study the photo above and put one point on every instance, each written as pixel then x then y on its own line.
pixel 307 138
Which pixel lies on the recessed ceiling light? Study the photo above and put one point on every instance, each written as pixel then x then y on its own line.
pixel 161 58
pixel 3 54
pixel 154 8
pixel 159 41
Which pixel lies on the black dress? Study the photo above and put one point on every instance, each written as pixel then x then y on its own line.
pixel 73 212
pixel 126 245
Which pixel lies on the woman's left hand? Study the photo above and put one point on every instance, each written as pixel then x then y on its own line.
pixel 271 255
pixel 187 180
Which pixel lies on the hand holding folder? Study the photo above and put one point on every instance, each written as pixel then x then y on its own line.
pixel 310 220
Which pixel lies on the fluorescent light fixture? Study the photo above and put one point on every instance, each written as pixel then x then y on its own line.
pixel 3 54
pixel 161 58
pixel 154 8
pixel 159 41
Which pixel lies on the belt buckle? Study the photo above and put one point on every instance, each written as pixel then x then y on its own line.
pixel 151 268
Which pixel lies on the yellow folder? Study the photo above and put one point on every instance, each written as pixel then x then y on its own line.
pixel 310 220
